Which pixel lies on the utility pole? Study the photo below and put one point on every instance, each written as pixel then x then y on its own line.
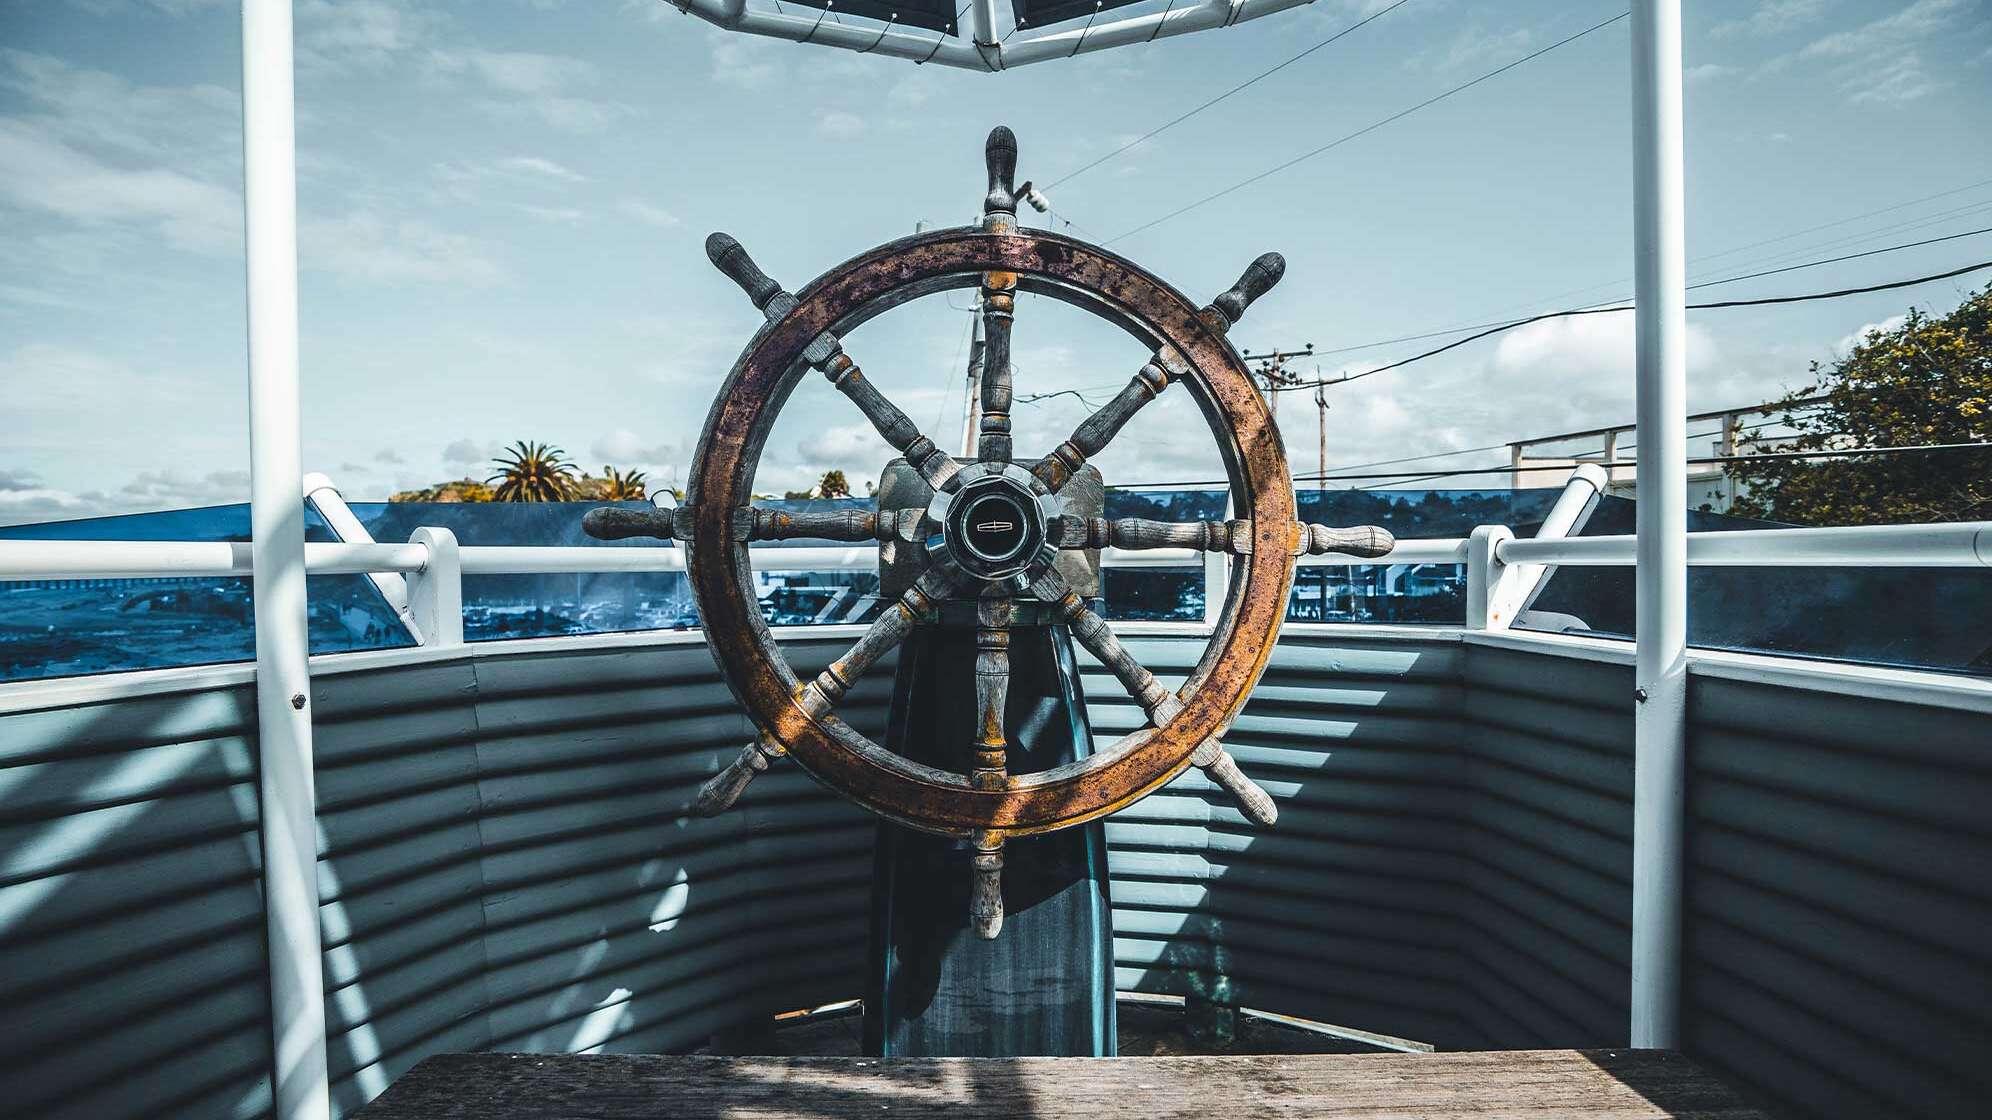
pixel 972 404
pixel 1321 403
pixel 1271 376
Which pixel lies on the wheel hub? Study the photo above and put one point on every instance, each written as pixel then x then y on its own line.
pixel 995 524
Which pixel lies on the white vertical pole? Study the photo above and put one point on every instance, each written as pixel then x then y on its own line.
pixel 283 674
pixel 1660 669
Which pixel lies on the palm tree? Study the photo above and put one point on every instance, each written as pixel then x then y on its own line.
pixel 623 486
pixel 533 472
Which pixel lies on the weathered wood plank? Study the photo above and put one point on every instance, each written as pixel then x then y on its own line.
pixel 1542 1084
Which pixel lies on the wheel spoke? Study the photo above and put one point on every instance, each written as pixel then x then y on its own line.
pixel 934 464
pixel 1093 633
pixel 724 788
pixel 1368 541
pixel 1097 430
pixel 751 523
pixel 992 690
pixel 985 889
pixel 1137 533
pixel 826 354
pixel 1218 765
pixel 999 303
pixel 920 601
pixel 1235 537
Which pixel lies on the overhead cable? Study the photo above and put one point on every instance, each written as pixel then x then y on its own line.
pixel 1369 128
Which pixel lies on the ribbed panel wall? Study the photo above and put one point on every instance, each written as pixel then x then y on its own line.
pixel 1346 911
pixel 1548 849
pixel 508 866
pixel 132 976
pixel 1839 929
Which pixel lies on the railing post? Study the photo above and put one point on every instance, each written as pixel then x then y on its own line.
pixel 1660 676
pixel 1586 483
pixel 1217 577
pixel 289 832
pixel 1491 585
pixel 435 594
pixel 325 498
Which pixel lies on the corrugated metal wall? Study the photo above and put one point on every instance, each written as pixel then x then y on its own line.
pixel 1347 911
pixel 507 867
pixel 1839 920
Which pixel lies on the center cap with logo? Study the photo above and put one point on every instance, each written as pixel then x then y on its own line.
pixel 995 525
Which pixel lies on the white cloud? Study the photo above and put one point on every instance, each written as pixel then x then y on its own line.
pixel 365 246
pixel 564 214
pixel 1707 72
pixel 836 122
pixel 197 127
pixel 1475 46
pixel 546 168
pixel 388 455
pixel 358 34
pixel 1878 62
pixel 173 489
pixel 515 71
pixel 741 62
pixel 1919 20
pixel 47 175
pixel 468 452
pixel 1891 81
pixel 626 447
pixel 646 213
pixel 1846 344
pixel 534 84
pixel 1771 17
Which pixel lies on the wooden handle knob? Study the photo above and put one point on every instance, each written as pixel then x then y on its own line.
pixel 1360 540
pixel 1001 154
pixel 985 898
pixel 728 256
pixel 1259 278
pixel 610 523
pixel 1218 765
pixel 724 788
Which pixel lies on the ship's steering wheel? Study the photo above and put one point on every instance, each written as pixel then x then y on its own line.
pixel 992 531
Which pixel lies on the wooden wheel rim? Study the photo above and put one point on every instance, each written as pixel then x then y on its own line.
pixel 922 797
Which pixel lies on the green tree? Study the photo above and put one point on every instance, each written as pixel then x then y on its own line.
pixel 613 486
pixel 533 472
pixel 1928 381
pixel 625 486
pixel 458 490
pixel 833 485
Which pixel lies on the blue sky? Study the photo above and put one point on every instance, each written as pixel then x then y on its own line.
pixel 503 206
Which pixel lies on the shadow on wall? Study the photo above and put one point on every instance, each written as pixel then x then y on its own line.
pixel 1464 888
pixel 130 913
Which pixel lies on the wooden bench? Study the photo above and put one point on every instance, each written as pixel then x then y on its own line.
pixel 1538 1084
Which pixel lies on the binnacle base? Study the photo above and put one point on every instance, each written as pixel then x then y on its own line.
pixel 1046 986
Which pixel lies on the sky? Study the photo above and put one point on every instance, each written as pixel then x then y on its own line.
pixel 503 206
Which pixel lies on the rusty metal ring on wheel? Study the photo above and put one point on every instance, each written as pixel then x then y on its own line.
pixel 1162 319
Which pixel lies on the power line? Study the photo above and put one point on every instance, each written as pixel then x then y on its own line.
pixel 1837 260
pixel 1702 460
pixel 1499 328
pixel 1442 332
pixel 1254 80
pixel 1367 129
pixel 1730 252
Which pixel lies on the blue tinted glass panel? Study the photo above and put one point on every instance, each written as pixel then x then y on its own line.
pixel 1929 618
pixel 54 628
pixel 1158 594
pixel 1409 593
pixel 536 606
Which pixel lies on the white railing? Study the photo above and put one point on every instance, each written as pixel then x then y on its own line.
pixel 422 578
